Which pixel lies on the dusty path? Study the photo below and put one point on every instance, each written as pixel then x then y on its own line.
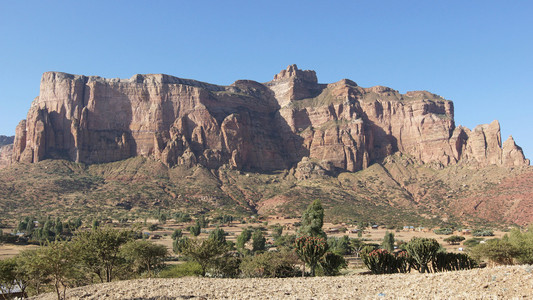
pixel 508 282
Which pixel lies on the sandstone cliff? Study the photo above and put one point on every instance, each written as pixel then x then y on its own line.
pixel 291 121
pixel 6 150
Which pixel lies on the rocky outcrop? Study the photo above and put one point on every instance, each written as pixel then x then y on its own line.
pixel 6 150
pixel 291 121
pixel 6 140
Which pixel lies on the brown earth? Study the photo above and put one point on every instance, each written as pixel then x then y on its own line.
pixel 506 282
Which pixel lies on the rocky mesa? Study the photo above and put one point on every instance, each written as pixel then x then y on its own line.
pixel 248 125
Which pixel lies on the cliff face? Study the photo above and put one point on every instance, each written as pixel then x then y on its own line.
pixel 290 121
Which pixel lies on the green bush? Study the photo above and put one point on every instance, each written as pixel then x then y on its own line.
pixel 483 232
pixel 270 264
pixel 496 251
pixel 472 242
pixel 331 263
pixel 444 231
pixel 381 261
pixel 452 262
pixel 190 268
pixel 523 242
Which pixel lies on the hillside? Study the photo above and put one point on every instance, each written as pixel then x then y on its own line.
pixel 397 191
pixel 509 282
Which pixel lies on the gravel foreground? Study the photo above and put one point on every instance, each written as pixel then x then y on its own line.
pixel 505 282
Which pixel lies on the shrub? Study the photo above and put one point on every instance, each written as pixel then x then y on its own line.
pixel 523 242
pixel 452 262
pixel 270 264
pixel 472 242
pixel 483 232
pixel 331 263
pixel 443 231
pixel 379 261
pixel 153 227
pixel 177 234
pixel 496 251
pixel 190 268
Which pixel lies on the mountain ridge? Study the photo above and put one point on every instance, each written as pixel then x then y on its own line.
pixel 127 147
pixel 248 125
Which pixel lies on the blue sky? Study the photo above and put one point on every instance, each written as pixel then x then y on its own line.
pixel 478 54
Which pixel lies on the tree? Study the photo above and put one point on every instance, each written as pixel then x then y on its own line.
pixel 454 239
pixel 99 250
pixel 388 241
pixel 313 220
pixel 523 242
pixel 195 229
pixel 58 227
pixel 310 250
pixel 270 264
pixel 177 234
pixel 32 268
pixel 7 276
pixel 58 263
pixel 422 251
pixel 277 230
pixel 340 246
pixel 243 238
pixel 144 255
pixel 202 221
pixel 205 252
pixel 496 251
pixel 258 241
pixel 218 235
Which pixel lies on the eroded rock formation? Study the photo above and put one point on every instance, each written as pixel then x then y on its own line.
pixel 291 121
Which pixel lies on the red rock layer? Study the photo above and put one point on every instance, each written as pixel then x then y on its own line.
pixel 252 126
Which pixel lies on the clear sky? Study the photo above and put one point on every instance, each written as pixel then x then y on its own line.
pixel 477 53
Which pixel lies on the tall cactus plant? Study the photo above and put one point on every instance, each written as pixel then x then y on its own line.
pixel 422 252
pixel 310 250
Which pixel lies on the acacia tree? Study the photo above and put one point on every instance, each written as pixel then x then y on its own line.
pixel 99 250
pixel 205 252
pixel 7 276
pixel 144 255
pixel 59 265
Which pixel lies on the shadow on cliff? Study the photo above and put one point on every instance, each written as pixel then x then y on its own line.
pixel 98 135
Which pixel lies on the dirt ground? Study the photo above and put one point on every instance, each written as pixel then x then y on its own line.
pixel 505 282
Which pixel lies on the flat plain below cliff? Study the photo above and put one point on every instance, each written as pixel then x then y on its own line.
pixel 506 282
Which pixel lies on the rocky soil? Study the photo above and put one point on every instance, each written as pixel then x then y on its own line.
pixel 506 282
